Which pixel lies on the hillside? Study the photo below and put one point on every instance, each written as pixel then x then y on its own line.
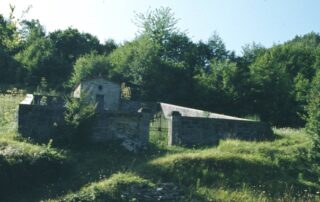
pixel 233 171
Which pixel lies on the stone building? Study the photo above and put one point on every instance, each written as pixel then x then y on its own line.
pixel 105 93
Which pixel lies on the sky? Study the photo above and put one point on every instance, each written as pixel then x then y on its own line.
pixel 238 22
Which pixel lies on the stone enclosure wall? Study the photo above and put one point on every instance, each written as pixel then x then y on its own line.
pixel 195 131
pixel 41 122
pixel 41 116
pixel 132 129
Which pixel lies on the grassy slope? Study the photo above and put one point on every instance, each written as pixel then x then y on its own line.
pixel 247 171
pixel 233 171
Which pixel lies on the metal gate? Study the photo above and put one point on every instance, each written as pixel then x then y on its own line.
pixel 159 130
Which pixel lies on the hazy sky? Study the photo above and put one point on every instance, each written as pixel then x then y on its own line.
pixel 238 22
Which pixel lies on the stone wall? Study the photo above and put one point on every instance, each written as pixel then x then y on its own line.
pixel 48 100
pixel 39 122
pixel 132 129
pixel 167 109
pixel 191 131
pixel 130 124
pixel 134 106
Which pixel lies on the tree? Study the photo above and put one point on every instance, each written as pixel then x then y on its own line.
pixel 217 47
pixel 216 88
pixel 280 78
pixel 9 43
pixel 157 24
pixel 142 66
pixel 272 89
pixel 31 31
pixel 249 53
pixel 108 46
pixel 38 57
pixel 9 35
pixel 90 65
pixel 71 44
pixel 132 62
pixel 313 109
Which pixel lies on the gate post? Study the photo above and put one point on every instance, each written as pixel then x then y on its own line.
pixel 144 124
pixel 174 128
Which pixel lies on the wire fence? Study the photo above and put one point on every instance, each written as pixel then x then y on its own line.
pixel 9 102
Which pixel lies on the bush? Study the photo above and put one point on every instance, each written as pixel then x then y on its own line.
pixel 313 114
pixel 79 116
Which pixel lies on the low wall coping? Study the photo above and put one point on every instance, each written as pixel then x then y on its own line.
pixel 27 100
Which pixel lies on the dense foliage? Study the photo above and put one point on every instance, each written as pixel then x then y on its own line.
pixel 163 64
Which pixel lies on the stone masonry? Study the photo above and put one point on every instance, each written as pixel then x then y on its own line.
pixel 197 131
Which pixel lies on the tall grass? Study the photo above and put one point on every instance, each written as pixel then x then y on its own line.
pixel 247 171
pixel 9 102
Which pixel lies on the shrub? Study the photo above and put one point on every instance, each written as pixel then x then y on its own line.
pixel 313 113
pixel 79 116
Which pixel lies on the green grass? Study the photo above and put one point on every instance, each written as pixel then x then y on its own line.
pixel 279 170
pixel 233 171
pixel 8 110
pixel 118 187
pixel 247 171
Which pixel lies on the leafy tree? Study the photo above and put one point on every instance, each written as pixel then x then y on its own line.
pixel 39 60
pixel 151 76
pixel 217 48
pixel 301 91
pixel 9 35
pixel 157 24
pixel 90 65
pixel 181 50
pixel 280 79
pixel 9 42
pixel 272 89
pixel 216 88
pixel 31 31
pixel 313 109
pixel 249 54
pixel 71 44
pixel 132 62
pixel 108 46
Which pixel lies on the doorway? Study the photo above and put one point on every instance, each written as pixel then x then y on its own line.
pixel 100 102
